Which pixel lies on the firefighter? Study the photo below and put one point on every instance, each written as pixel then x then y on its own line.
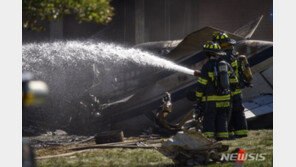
pixel 213 92
pixel 238 124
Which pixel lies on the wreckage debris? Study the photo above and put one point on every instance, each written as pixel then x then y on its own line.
pixel 161 125
pixel 186 147
pixel 134 144
pixel 56 139
pixel 109 137
pixel 60 132
pixel 191 147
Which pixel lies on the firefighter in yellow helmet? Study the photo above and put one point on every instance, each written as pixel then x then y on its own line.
pixel 237 123
pixel 213 92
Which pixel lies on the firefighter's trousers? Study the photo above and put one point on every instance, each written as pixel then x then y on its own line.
pixel 238 123
pixel 215 119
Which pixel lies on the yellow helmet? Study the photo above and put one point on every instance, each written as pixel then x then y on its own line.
pixel 222 38
pixel 212 47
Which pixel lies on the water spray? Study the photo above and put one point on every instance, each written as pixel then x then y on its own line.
pixel 75 50
pixel 77 71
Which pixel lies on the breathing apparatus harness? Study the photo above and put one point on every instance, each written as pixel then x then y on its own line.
pixel 220 74
pixel 221 80
pixel 244 72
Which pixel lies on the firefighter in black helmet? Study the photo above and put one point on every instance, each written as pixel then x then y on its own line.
pixel 238 124
pixel 213 92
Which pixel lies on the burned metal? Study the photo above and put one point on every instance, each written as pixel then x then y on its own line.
pixel 109 137
pixel 192 147
pixel 161 125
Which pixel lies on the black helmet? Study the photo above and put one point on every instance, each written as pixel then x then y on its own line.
pixel 222 37
pixel 212 47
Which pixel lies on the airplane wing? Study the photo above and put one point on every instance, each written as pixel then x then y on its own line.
pixel 193 42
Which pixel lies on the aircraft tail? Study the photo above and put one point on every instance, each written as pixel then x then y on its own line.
pixel 248 30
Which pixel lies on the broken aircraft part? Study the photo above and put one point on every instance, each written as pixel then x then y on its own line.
pixel 188 53
pixel 188 146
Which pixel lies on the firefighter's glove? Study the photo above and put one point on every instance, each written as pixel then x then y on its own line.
pixel 196 73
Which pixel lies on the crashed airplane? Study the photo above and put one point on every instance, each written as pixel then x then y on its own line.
pixel 129 115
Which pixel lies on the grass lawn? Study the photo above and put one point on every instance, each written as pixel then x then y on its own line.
pixel 259 141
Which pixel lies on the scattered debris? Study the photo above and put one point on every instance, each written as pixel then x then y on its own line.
pixel 134 144
pixel 59 155
pixel 57 138
pixel 109 137
pixel 113 146
pixel 191 147
pixel 150 136
pixel 162 126
pixel 185 148
pixel 60 132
